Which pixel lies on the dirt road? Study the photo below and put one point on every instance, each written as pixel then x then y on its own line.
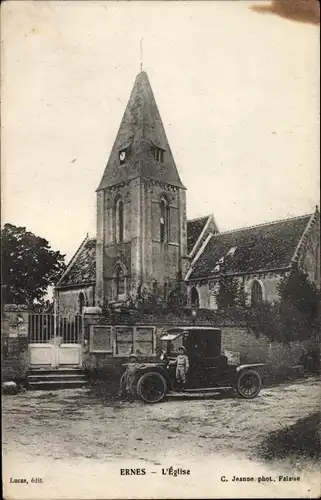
pixel 79 439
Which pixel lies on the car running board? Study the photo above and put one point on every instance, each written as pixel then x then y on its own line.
pixel 209 389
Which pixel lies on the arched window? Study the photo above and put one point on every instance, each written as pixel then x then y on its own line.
pixel 194 297
pixel 164 218
pixel 81 302
pixel 256 294
pixel 120 283
pixel 119 220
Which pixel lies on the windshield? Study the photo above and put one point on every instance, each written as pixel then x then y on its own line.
pixel 198 342
pixel 171 346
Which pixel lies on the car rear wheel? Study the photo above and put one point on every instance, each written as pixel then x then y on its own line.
pixel 248 384
pixel 152 387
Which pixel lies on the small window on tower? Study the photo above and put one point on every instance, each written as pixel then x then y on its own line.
pixel 158 154
pixel 164 220
pixel 119 220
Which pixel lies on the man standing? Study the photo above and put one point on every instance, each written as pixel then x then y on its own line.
pixel 182 366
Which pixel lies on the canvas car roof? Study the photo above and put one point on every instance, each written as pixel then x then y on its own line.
pixel 184 328
pixel 174 333
pixel 171 336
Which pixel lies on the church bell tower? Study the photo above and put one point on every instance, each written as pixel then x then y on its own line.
pixel 141 206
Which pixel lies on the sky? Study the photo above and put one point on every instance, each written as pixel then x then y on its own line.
pixel 237 87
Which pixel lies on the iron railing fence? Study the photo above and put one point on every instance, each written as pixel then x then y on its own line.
pixel 44 328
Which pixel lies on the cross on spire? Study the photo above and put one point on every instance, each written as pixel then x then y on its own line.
pixel 141 54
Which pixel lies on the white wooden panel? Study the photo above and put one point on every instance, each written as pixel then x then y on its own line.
pixel 124 340
pixel 41 354
pixel 144 340
pixel 69 354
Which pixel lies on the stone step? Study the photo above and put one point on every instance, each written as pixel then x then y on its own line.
pixel 57 384
pixel 56 376
pixel 46 370
pixel 56 379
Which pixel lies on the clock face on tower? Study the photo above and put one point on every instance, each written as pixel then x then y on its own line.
pixel 122 156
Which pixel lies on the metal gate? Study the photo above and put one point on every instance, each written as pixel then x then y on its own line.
pixel 55 341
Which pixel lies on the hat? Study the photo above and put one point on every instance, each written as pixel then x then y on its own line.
pixel 182 347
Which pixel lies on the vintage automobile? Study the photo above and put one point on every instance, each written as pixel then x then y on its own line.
pixel 209 370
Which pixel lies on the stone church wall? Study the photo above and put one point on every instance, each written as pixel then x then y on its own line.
pixel 125 191
pixel 309 262
pixel 68 299
pixel 268 281
pixel 109 253
pixel 119 253
pixel 145 257
pixel 206 291
pixel 161 260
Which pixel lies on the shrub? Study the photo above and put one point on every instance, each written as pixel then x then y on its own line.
pixel 227 292
pixel 295 317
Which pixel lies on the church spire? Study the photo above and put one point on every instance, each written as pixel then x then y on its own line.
pixel 141 148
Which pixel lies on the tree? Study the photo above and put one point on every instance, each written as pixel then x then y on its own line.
pixel 29 266
pixel 294 317
pixel 265 320
pixel 297 290
pixel 299 306
pixel 177 295
pixel 241 298
pixel 227 292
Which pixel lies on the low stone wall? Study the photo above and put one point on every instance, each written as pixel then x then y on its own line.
pixel 260 350
pixel 15 360
pixel 14 345
pixel 279 358
pixel 283 361
pixel 240 340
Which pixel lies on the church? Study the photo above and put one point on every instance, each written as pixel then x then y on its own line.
pixel 145 242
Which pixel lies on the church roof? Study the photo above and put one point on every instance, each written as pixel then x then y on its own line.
pixel 266 246
pixel 140 131
pixel 274 245
pixel 82 267
pixel 194 229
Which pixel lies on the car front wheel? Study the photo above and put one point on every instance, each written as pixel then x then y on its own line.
pixel 248 384
pixel 151 387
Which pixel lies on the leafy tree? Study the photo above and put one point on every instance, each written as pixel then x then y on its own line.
pixel 226 293
pixel 297 290
pixel 299 307
pixel 43 306
pixel 177 295
pixel 265 320
pixel 29 266
pixel 241 298
pixel 294 317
